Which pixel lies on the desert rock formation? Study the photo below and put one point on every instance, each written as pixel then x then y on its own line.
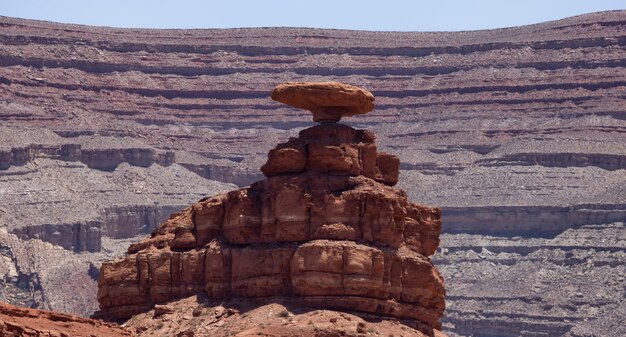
pixel 325 228
pixel 517 133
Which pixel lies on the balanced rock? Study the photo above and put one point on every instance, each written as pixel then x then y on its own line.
pixel 324 230
pixel 328 101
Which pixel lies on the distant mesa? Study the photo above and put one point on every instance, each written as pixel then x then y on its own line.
pixel 328 101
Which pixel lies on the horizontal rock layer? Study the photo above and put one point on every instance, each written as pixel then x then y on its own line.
pixel 537 221
pixel 86 235
pixel 518 298
pixel 302 208
pixel 327 274
pixel 106 159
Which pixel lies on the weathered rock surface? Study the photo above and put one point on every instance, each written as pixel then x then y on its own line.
pixel 502 128
pixel 572 284
pixel 127 202
pixel 18 322
pixel 328 101
pixel 333 149
pixel 199 316
pixel 326 235
pixel 41 275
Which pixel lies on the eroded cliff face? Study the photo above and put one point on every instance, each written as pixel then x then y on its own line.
pixel 42 174
pixel 326 228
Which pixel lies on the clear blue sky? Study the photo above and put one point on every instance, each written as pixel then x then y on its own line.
pixel 407 15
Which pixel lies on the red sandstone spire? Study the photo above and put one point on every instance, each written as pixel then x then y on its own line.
pixel 325 229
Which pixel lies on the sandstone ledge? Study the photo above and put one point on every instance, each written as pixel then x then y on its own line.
pixel 277 317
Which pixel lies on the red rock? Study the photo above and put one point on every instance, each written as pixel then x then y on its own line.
pixel 196 316
pixel 328 101
pixel 17 322
pixel 285 160
pixel 333 149
pixel 389 166
pixel 183 238
pixel 279 213
pixel 160 310
pixel 325 229
pixel 207 218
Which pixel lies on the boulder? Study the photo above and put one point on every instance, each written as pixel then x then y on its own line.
pixel 328 101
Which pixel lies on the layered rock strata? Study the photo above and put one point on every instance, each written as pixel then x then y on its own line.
pixel 325 227
pixel 493 126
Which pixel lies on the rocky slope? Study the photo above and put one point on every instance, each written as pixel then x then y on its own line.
pixel 199 316
pixel 514 132
pixel 18 322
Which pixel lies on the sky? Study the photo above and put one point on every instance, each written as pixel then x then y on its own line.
pixel 386 15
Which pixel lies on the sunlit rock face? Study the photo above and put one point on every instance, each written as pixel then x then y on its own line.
pixel 326 228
